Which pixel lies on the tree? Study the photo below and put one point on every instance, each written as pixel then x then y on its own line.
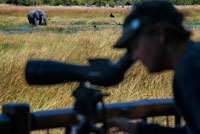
pixel 37 2
pixel 58 2
pixel 3 1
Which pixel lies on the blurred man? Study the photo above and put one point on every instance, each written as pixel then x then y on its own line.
pixel 154 33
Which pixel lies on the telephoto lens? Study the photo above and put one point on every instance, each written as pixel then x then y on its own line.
pixel 101 72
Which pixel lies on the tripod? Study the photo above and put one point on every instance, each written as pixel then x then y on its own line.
pixel 85 107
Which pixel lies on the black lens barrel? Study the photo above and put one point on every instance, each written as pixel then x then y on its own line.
pixel 100 71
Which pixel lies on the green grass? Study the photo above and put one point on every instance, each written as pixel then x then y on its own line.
pixel 11 15
pixel 17 49
pixel 191 13
pixel 74 45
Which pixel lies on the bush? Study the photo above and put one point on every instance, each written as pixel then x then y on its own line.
pixel 3 1
pixel 90 2
pixel 58 2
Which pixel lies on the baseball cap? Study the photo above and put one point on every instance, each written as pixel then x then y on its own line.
pixel 147 14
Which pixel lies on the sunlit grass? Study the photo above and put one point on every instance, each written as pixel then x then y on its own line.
pixel 74 47
pixel 191 13
pixel 12 15
pixel 17 49
pixel 17 15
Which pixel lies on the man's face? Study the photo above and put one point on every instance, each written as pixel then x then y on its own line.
pixel 149 48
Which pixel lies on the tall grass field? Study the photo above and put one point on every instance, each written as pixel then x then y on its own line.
pixel 61 42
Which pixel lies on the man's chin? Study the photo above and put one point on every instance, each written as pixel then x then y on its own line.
pixel 155 70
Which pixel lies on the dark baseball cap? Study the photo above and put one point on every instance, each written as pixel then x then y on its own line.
pixel 147 14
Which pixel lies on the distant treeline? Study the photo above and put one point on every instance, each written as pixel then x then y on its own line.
pixel 90 2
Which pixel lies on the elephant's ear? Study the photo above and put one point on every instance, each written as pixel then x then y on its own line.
pixel 40 13
pixel 37 15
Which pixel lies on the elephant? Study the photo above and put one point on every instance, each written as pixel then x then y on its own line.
pixel 35 15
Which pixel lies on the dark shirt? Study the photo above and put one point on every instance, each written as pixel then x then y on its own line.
pixel 186 88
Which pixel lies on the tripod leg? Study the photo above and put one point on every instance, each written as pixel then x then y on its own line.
pixel 67 129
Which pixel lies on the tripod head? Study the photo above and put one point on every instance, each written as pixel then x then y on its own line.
pixel 85 107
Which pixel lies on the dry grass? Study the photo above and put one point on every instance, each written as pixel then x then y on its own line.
pixel 13 15
pixel 17 49
pixel 62 15
pixel 191 13
pixel 75 48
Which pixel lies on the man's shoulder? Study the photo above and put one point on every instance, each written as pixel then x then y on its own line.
pixel 191 53
pixel 190 59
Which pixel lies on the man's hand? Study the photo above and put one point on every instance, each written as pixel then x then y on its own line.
pixel 122 124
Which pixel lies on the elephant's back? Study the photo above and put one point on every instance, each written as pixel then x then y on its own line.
pixel 31 13
pixel 41 11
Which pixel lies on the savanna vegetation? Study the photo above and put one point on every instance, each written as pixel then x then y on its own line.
pixel 111 3
pixel 63 42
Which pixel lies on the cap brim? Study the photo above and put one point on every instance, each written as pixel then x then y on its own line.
pixel 124 40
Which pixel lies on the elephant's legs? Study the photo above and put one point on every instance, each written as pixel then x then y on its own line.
pixel 35 21
pixel 45 22
pixel 40 21
pixel 30 20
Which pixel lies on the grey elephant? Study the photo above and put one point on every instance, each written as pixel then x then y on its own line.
pixel 35 15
